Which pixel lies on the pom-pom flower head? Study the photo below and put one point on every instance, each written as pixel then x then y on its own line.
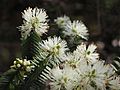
pixel 87 53
pixel 94 76
pixel 62 21
pixel 63 79
pixel 34 19
pixel 76 28
pixel 54 46
pixel 71 59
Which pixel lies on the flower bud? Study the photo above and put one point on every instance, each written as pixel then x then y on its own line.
pixel 28 68
pixel 18 65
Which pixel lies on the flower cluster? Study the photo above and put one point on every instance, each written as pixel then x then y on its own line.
pixel 62 21
pixel 87 53
pixel 75 28
pixel 63 79
pixel 34 19
pixel 22 65
pixel 55 46
pixel 82 70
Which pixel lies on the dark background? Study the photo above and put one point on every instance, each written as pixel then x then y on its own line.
pixel 102 17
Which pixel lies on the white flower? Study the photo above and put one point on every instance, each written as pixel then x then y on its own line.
pixel 54 46
pixel 34 19
pixel 87 53
pixel 71 59
pixel 114 83
pixel 63 79
pixel 62 21
pixel 76 28
pixel 93 76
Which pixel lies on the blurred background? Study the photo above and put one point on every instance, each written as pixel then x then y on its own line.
pixel 102 18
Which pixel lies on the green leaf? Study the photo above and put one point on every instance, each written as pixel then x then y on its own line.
pixel 116 65
pixel 30 46
pixel 33 77
pixel 6 79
